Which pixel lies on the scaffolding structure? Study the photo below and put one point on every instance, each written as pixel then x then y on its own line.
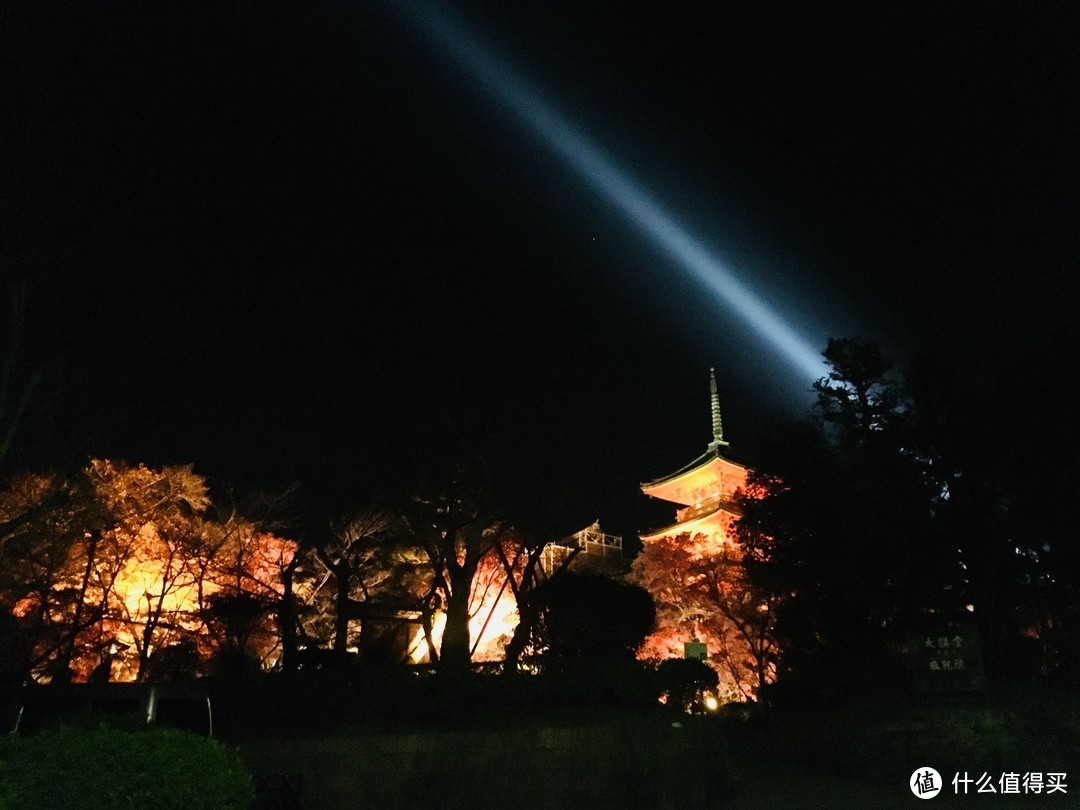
pixel 593 551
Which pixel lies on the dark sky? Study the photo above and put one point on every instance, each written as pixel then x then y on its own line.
pixel 291 241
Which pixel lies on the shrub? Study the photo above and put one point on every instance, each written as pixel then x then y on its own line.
pixel 110 767
pixel 684 681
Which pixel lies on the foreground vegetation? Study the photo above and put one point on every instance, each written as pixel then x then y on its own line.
pixel 592 733
pixel 832 755
pixel 105 766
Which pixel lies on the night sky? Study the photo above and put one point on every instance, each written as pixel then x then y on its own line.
pixel 294 242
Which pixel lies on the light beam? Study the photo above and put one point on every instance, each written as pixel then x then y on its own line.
pixel 629 197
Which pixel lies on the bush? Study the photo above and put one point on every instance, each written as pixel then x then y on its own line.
pixel 109 767
pixel 591 615
pixel 1029 730
pixel 684 681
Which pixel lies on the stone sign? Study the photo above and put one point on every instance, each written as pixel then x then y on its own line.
pixel 944 657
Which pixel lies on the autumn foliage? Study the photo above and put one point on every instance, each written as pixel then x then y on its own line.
pixel 122 569
pixel 702 592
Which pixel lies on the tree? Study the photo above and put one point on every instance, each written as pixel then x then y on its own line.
pixel 124 566
pixel 1008 439
pixel 859 395
pixel 236 619
pixel 702 588
pixel 241 571
pixel 847 539
pixel 443 567
pixel 18 387
pixel 453 525
pixel 52 521
pixel 363 570
pixel 523 574
pixel 144 563
pixel 353 556
pixel 590 616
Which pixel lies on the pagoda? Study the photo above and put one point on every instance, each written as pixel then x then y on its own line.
pixel 705 489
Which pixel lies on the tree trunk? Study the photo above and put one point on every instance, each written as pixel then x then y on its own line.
pixel 527 618
pixel 527 607
pixel 341 618
pixel 287 618
pixel 454 656
pixel 429 634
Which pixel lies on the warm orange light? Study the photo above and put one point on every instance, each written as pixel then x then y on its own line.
pixel 141 578
pixel 693 569
pixel 490 628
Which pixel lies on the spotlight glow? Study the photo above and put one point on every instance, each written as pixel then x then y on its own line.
pixel 629 197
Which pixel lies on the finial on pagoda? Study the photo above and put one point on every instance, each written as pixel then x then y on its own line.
pixel 717 426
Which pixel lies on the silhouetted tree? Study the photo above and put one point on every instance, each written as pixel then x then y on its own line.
pixel 364 573
pixel 454 525
pixel 590 616
pixel 847 539
pixel 524 573
pixel 1011 442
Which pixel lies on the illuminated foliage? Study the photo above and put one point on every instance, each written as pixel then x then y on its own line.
pixel 701 590
pixel 123 563
pixel 376 587
pixel 358 587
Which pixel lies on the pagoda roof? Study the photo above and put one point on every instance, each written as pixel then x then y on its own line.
pixel 698 472
pixel 696 522
pixel 700 461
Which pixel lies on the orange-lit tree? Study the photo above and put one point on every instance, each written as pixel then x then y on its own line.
pixel 125 565
pixel 701 587
pixel 240 584
pixel 45 517
pixel 360 586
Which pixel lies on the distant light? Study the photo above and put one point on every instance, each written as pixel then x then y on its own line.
pixel 711 703
pixel 630 198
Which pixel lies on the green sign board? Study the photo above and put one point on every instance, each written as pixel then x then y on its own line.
pixel 944 657
pixel 695 649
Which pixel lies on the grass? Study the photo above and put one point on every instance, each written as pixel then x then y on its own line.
pixel 863 754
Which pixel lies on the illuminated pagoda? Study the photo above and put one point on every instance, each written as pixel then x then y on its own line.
pixel 705 489
pixel 706 606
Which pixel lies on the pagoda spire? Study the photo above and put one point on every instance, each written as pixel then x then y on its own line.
pixel 717 425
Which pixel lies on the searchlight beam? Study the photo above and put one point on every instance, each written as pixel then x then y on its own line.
pixel 629 197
